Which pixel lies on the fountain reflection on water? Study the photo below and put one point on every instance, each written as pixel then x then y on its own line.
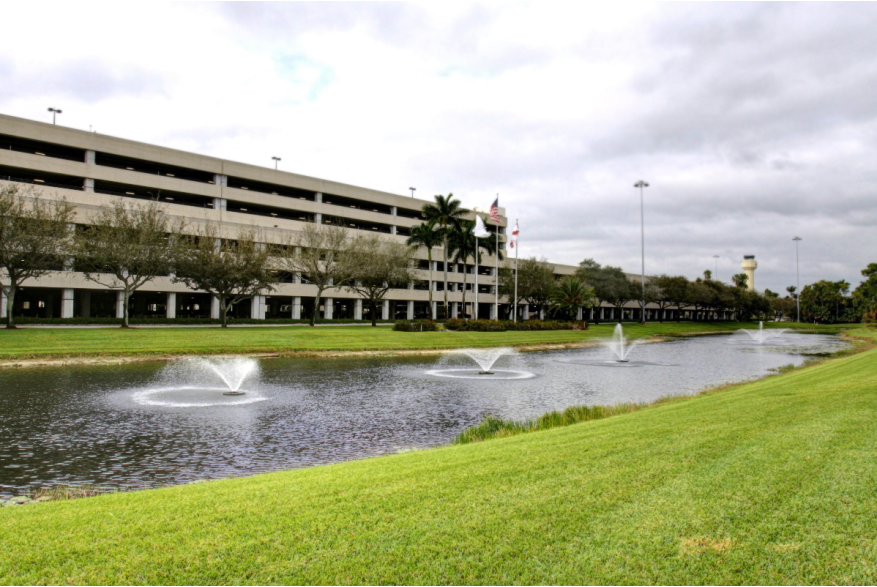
pixel 204 382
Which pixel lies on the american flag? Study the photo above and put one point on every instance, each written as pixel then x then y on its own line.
pixel 494 210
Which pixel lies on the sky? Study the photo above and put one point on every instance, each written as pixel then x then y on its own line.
pixel 752 122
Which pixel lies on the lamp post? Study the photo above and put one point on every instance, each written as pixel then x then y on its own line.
pixel 642 226
pixel 797 239
pixel 55 112
pixel 276 161
pixel 412 191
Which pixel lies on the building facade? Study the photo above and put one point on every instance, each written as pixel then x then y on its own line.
pixel 91 171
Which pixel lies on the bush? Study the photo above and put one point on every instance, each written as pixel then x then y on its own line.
pixel 415 326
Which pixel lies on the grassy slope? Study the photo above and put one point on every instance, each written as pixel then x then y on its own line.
pixel 46 343
pixel 772 482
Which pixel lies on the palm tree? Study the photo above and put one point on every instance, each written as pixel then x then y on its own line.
pixel 425 235
pixel 462 244
pixel 444 213
pixel 569 295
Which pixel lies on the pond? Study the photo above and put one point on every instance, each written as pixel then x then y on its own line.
pixel 153 424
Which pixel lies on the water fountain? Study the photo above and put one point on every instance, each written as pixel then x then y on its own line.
pixel 485 359
pixel 761 335
pixel 619 345
pixel 202 382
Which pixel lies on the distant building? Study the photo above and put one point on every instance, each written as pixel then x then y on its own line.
pixel 749 265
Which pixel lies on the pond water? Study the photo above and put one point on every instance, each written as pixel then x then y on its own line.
pixel 152 424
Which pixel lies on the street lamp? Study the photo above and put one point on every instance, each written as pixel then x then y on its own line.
pixel 412 191
pixel 797 239
pixel 642 226
pixel 276 161
pixel 54 111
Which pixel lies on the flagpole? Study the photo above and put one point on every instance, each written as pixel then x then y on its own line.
pixel 496 274
pixel 515 302
pixel 475 312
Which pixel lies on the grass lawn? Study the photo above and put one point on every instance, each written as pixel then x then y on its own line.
pixel 771 482
pixel 47 343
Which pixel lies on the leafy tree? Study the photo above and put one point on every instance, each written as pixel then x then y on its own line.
pixel 316 251
pixel 425 235
pixel 569 295
pixel 610 283
pixel 232 270
pixel 823 301
pixel 707 275
pixel 701 296
pixel 782 307
pixel 34 237
pixel 126 246
pixel 675 292
pixel 865 295
pixel 445 213
pixel 375 266
pixel 535 281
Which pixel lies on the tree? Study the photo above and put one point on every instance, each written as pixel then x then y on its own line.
pixel 865 295
pixel 535 281
pixel 462 245
pixel 700 295
pixel 740 279
pixel 126 246
pixel 316 251
pixel 822 301
pixel 445 213
pixel 232 270
pixel 655 295
pixel 569 295
pixel 675 292
pixel 34 238
pixel 425 235
pixel 707 275
pixel 782 307
pixel 375 266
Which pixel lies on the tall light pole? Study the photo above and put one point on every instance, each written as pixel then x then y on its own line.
pixel 797 239
pixel 276 161
pixel 54 111
pixel 642 226
pixel 412 191
pixel 716 274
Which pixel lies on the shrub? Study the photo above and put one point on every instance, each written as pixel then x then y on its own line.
pixel 504 325
pixel 415 326
pixel 454 324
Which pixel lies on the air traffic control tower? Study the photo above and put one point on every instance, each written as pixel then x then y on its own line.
pixel 749 265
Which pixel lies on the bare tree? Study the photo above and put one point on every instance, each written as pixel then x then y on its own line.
pixel 34 238
pixel 375 266
pixel 126 246
pixel 232 270
pixel 317 252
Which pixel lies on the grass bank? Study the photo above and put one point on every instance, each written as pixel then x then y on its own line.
pixel 771 482
pixel 61 343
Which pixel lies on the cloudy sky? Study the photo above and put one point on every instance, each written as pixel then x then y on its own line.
pixel 752 123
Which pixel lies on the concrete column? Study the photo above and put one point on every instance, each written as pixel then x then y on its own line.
pixel 2 306
pixel 602 312
pixel 455 309
pixel 385 310
pixel 541 314
pixel 171 309
pixel 88 185
pixel 579 315
pixel 410 314
pixel 296 308
pixel 357 309
pixel 257 307
pixel 433 311
pixel 67 303
pixel 120 304
pixel 329 304
pixel 220 203
pixel 214 307
pixel 90 157
pixel 493 315
pixel 525 313
pixel 318 217
pixel 393 212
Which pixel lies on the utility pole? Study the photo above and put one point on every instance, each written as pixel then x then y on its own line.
pixel 797 239
pixel 642 226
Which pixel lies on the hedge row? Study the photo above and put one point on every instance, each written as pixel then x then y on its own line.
pixel 504 325
pixel 415 326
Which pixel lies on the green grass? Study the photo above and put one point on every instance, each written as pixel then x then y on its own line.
pixel 48 343
pixel 771 482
